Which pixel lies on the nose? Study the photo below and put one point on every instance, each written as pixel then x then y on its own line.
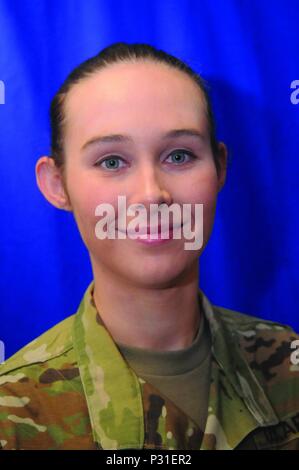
pixel 150 188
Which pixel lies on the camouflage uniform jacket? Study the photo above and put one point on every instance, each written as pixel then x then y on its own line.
pixel 72 389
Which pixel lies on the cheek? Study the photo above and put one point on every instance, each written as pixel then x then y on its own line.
pixel 203 190
pixel 86 192
pixel 86 195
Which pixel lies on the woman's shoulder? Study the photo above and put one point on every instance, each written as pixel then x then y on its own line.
pixel 237 319
pixel 52 344
pixel 266 344
pixel 247 326
pixel 41 396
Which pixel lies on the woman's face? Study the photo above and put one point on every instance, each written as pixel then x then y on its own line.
pixel 143 101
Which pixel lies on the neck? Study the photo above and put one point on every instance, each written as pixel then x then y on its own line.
pixel 162 319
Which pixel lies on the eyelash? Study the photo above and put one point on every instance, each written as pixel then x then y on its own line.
pixel 116 157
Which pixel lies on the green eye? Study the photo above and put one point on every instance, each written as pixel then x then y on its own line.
pixel 112 163
pixel 177 153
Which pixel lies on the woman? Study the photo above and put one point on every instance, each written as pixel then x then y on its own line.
pixel 147 361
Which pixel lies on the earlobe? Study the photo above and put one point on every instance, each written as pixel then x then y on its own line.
pixel 50 182
pixel 222 159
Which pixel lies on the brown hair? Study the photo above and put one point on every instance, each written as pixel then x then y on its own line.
pixel 120 52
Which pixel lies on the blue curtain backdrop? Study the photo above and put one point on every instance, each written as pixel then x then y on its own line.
pixel 248 51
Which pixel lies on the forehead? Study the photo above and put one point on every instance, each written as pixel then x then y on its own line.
pixel 135 95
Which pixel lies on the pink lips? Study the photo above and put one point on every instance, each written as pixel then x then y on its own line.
pixel 156 235
pixel 156 241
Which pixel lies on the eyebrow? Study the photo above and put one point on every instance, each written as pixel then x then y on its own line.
pixel 126 138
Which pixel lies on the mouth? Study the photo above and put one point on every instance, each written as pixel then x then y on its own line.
pixel 153 235
pixel 157 230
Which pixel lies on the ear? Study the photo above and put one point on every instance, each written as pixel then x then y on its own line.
pixel 222 159
pixel 50 181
